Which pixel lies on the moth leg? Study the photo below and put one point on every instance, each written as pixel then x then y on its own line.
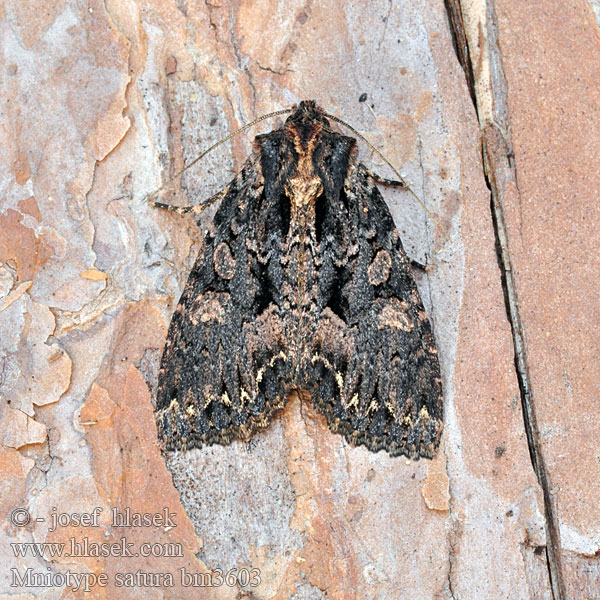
pixel 422 267
pixel 197 208
pixel 385 181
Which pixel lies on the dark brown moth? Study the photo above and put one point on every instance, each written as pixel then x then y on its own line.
pixel 303 283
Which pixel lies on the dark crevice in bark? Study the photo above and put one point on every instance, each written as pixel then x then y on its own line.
pixel 527 399
pixel 497 155
pixel 460 43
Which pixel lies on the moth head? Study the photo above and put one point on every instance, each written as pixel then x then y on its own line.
pixel 307 112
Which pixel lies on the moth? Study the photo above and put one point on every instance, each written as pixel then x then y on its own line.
pixel 303 283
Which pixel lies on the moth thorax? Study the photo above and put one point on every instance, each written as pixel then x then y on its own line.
pixel 303 190
pixel 304 186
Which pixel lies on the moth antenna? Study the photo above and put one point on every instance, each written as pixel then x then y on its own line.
pixel 215 145
pixel 383 157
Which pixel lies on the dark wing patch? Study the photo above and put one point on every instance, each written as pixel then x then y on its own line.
pixel 224 371
pixel 372 367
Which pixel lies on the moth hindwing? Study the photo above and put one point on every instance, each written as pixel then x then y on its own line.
pixel 303 283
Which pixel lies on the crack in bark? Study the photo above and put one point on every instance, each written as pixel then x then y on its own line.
pixel 498 159
pixel 270 70
pixel 524 380
pixel 238 57
pixel 385 25
pixel 460 43
pixel 126 90
pixel 451 556
pixel 213 25
pixel 453 536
